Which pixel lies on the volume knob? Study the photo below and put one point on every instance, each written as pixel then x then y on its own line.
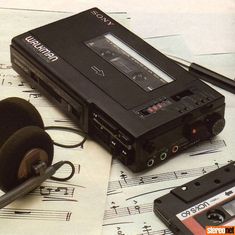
pixel 215 123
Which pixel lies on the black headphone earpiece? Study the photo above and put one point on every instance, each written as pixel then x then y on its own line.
pixel 16 113
pixel 26 150
pixel 25 147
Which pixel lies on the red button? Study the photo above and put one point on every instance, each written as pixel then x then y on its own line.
pixel 155 107
pixel 150 110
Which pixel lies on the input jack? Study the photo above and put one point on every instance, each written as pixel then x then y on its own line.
pixel 175 149
pixel 150 162
pixel 163 156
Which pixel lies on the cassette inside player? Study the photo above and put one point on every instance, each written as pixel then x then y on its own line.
pixel 125 94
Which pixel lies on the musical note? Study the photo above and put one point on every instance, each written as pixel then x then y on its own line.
pixel 45 191
pixel 147 229
pixel 123 176
pixel 137 208
pixel 65 189
pixel 141 180
pixel 22 212
pixel 217 165
pixel 114 207
pixel 204 171
pixel 54 191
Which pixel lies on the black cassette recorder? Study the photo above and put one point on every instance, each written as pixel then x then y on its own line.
pixel 125 94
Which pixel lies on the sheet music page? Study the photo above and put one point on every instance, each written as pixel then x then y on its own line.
pixel 217 29
pixel 73 207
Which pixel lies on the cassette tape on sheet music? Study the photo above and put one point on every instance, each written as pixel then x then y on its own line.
pixel 203 205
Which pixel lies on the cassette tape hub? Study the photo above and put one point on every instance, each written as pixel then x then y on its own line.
pixel 125 94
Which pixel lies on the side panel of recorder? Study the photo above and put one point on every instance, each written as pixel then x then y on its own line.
pixel 40 78
pixel 125 94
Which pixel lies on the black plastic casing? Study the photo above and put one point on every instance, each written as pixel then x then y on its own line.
pixel 107 104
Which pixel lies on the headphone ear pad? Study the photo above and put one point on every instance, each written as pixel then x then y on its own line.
pixel 15 149
pixel 16 113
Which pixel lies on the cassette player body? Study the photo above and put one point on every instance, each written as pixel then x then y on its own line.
pixel 201 204
pixel 125 94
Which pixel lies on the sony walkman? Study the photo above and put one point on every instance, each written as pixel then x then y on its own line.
pixel 125 94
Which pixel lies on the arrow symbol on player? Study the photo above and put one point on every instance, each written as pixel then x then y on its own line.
pixel 98 71
pixel 229 193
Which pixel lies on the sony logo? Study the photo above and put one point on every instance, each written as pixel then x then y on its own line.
pixel 102 18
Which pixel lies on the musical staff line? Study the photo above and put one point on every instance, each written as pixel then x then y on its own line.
pixel 125 222
pixel 67 169
pixel 208 145
pixel 65 183
pixel 114 193
pixel 205 152
pixel 142 194
pixel 57 199
pixel 158 232
pixel 166 176
pixel 34 214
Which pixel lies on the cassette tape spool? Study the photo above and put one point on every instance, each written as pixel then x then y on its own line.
pixel 206 201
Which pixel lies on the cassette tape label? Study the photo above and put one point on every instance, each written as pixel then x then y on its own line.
pixel 226 198
pixel 192 211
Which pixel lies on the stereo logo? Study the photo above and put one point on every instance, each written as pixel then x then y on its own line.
pixel 42 50
pixel 214 230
